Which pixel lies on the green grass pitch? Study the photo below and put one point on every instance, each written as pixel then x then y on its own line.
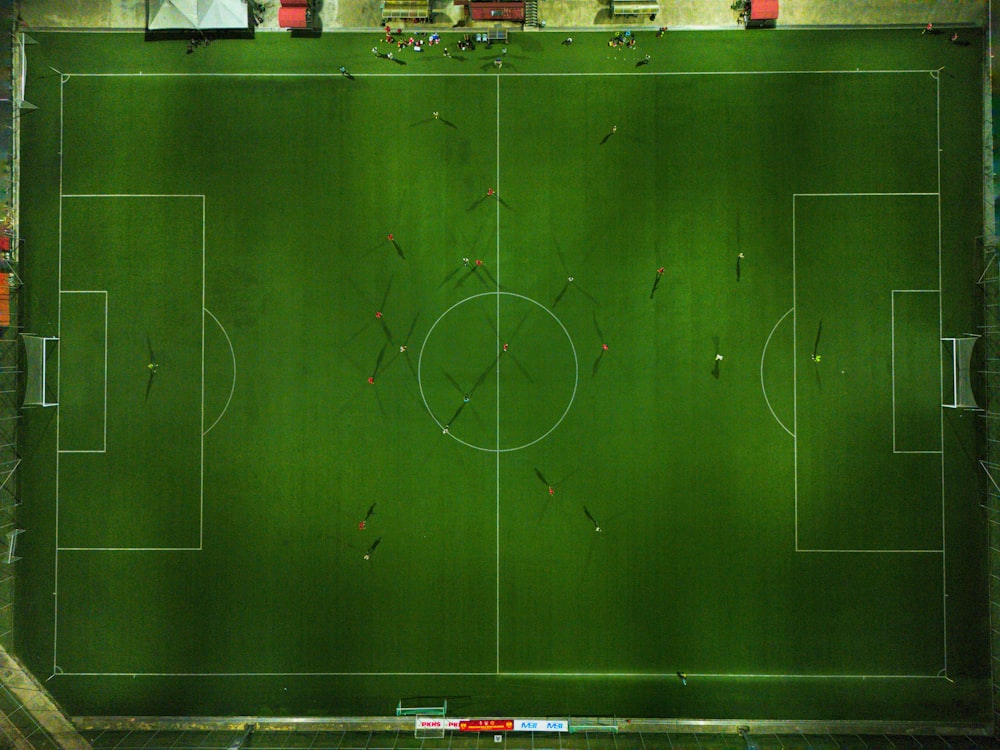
pixel 799 537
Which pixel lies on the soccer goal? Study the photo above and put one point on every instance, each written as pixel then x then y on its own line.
pixel 36 356
pixel 424 710
pixel 958 362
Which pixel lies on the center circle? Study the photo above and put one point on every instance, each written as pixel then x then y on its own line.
pixel 489 398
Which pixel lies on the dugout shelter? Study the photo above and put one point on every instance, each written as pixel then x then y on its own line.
pixel 409 10
pixel 634 8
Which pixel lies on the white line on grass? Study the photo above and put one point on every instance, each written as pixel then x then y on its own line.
pixel 944 559
pixel 763 354
pixel 104 448
pixel 594 74
pixel 130 549
pixel 795 385
pixel 135 195
pixel 892 353
pixel 795 197
pixel 525 674
pixel 620 675
pixel 55 573
pixel 201 471
pixel 497 196
pixel 878 551
pixel 848 195
pixel 232 389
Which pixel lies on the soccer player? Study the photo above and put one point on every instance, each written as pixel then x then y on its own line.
pixel 371 549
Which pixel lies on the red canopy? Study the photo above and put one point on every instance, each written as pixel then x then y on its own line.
pixel 763 10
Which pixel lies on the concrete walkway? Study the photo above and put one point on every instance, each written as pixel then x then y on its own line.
pixel 556 14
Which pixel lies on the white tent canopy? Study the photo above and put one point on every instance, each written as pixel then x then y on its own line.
pixel 166 15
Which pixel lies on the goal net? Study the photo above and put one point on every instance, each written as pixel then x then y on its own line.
pixel 958 362
pixel 36 355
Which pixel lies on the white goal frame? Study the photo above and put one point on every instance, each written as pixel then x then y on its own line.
pixel 36 349
pixel 962 396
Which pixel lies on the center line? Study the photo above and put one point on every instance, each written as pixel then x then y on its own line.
pixel 497 191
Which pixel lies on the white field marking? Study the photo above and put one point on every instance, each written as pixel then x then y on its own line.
pixel 104 447
pixel 232 389
pixel 65 79
pixel 763 354
pixel 632 675
pixel 55 574
pixel 596 74
pixel 130 549
pixel 877 551
pixel 795 196
pixel 497 201
pixel 201 480
pixel 576 371
pixel 892 331
pixel 944 558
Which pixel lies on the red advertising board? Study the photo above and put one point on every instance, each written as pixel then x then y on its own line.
pixel 486 725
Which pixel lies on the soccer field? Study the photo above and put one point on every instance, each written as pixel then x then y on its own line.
pixel 527 387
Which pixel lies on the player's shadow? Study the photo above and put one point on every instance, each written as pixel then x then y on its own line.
pixel 597 364
pixel 600 357
pixel 449 123
pixel 513 335
pixel 450 275
pixel 717 364
pixel 565 267
pixel 469 274
pixel 476 204
pixel 488 275
pixel 656 285
pixel 562 293
pixel 406 342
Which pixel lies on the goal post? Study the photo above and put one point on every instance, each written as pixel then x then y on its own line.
pixel 424 710
pixel 958 362
pixel 36 356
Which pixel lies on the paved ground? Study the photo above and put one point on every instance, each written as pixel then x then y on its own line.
pixel 347 14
